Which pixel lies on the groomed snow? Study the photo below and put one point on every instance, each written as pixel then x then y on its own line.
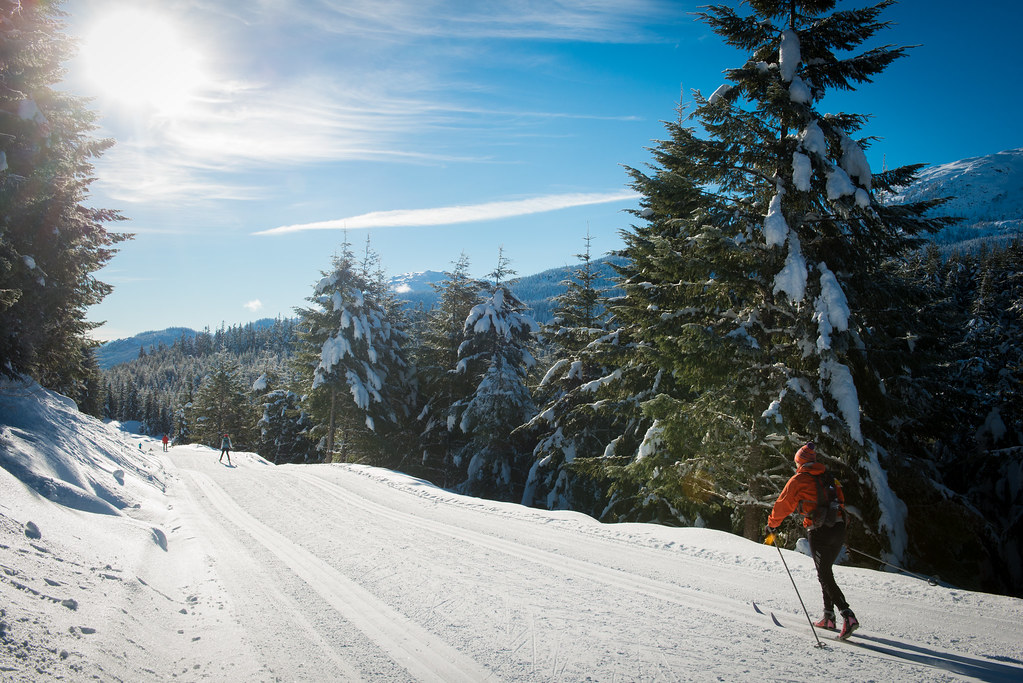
pixel 205 572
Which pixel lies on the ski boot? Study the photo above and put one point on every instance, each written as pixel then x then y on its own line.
pixel 827 621
pixel 850 624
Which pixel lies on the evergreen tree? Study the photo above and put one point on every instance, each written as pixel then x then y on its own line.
pixel 580 313
pixel 353 361
pixel 184 424
pixel 221 406
pixel 973 434
pixel 604 417
pixel 580 319
pixel 150 414
pixel 109 401
pixel 760 285
pixel 499 334
pixel 50 242
pixel 442 386
pixel 91 396
pixel 284 426
pixel 130 405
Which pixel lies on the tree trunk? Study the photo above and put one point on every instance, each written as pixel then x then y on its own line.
pixel 752 527
pixel 329 457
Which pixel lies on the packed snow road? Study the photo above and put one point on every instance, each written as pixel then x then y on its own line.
pixel 121 562
pixel 353 573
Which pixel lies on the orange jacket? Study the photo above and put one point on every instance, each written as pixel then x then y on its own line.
pixel 800 495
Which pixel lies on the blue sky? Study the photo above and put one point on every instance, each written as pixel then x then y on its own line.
pixel 250 134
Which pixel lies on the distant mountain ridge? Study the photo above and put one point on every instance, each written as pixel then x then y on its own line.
pixel 536 291
pixel 119 351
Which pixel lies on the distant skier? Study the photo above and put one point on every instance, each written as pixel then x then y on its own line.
pixel 826 532
pixel 225 449
pixel 166 440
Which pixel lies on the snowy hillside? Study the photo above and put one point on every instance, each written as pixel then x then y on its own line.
pixel 121 562
pixel 986 192
pixel 415 282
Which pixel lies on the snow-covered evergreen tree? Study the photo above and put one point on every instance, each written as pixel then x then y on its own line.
pixel 580 318
pixel 442 387
pixel 761 275
pixel 498 336
pixel 580 312
pixel 643 372
pixel 358 381
pixel 284 426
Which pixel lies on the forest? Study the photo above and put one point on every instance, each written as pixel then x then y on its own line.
pixel 958 472
pixel 768 293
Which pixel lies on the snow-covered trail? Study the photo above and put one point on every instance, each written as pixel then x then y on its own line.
pixel 352 573
pixel 119 562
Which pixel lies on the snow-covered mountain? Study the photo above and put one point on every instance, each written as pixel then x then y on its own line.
pixel 413 283
pixel 119 561
pixel 986 192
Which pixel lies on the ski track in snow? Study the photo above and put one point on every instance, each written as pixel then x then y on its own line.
pixel 446 587
pixel 425 656
pixel 897 652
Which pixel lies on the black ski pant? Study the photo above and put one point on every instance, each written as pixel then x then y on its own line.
pixel 825 544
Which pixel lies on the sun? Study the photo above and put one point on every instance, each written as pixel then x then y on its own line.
pixel 141 59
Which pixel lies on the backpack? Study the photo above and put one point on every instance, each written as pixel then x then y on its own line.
pixel 828 510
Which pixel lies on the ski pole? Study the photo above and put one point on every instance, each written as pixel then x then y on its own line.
pixel 770 541
pixel 931 580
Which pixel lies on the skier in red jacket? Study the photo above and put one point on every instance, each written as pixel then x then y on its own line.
pixel 826 535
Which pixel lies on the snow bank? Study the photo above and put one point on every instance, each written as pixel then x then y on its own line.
pixel 88 469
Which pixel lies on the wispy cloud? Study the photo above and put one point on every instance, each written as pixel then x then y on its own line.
pixel 194 155
pixel 253 305
pixel 448 215
pixel 603 21
pixel 204 151
pixel 388 92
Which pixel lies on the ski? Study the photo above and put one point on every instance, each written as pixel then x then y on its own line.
pixel 757 608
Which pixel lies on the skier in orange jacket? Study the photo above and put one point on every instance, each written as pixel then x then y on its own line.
pixel 826 532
